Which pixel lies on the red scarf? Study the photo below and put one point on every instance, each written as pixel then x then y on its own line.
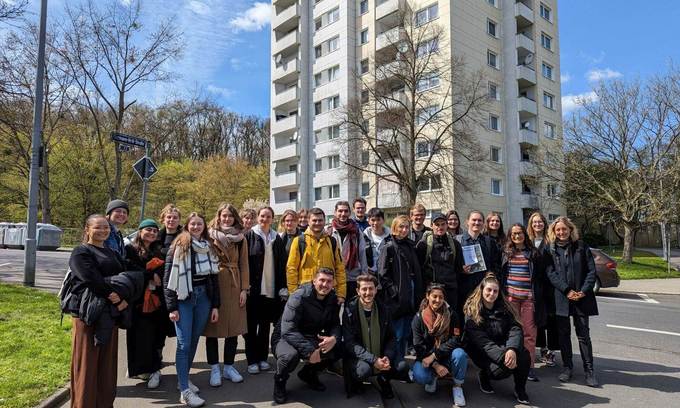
pixel 350 253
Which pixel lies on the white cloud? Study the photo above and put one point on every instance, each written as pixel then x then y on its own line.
pixel 564 78
pixel 253 19
pixel 597 75
pixel 572 103
pixel 198 7
pixel 220 91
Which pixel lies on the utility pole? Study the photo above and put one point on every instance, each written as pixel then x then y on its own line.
pixel 31 244
pixel 145 180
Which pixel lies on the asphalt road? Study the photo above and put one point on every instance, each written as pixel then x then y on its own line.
pixel 636 341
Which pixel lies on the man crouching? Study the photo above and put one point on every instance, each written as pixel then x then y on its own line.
pixel 310 330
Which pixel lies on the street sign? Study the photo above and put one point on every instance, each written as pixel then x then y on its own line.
pixel 123 147
pixel 133 141
pixel 145 168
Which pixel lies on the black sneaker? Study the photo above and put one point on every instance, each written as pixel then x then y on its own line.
pixel 311 378
pixel 280 394
pixel 565 376
pixel 522 397
pixel 591 381
pixel 484 382
pixel 385 387
pixel 532 376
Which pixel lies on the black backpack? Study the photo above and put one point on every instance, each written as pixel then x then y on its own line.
pixel 66 296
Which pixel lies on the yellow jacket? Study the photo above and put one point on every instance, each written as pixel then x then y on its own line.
pixel 318 254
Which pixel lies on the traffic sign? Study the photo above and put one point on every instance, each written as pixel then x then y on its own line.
pixel 123 147
pixel 134 141
pixel 145 168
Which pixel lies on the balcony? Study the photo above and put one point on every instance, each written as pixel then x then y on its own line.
pixel 286 72
pixel 387 71
pixel 285 152
pixel 288 97
pixel 526 76
pixel 287 19
pixel 527 106
pixel 285 179
pixel 394 101
pixel 389 38
pixel 285 43
pixel 528 137
pixel 388 7
pixel 528 170
pixel 523 14
pixel 286 125
pixel 280 206
pixel 525 44
pixel 529 201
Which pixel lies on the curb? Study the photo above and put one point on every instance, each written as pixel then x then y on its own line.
pixel 57 399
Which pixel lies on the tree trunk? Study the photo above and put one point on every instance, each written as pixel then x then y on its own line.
pixel 628 243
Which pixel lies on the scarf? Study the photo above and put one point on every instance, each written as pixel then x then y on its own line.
pixel 224 237
pixel 180 279
pixel 437 323
pixel 370 332
pixel 267 287
pixel 350 253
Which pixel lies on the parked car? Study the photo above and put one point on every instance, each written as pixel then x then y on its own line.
pixel 607 276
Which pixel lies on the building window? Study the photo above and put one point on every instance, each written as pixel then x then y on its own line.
pixel 327 192
pixel 494 123
pixel 552 217
pixel 326 47
pixel 496 187
pixel 363 66
pixel 426 114
pixel 318 193
pixel 551 190
pixel 326 105
pixel 428 81
pixel 548 100
pixel 493 3
pixel 494 93
pixel 318 165
pixel 491 28
pixel 546 12
pixel 549 130
pixel 547 70
pixel 365 189
pixel 546 41
pixel 427 14
pixel 492 59
pixel 364 36
pixel 430 183
pixel 327 18
pixel 496 154
pixel 327 163
pixel 363 6
pixel 427 47
pixel 365 157
pixel 292 195
pixel 425 149
pixel 364 96
pixel 326 134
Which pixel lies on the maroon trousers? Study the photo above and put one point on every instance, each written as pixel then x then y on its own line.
pixel 94 369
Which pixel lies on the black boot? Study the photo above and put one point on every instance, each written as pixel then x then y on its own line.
pixel 311 377
pixel 280 394
pixel 385 387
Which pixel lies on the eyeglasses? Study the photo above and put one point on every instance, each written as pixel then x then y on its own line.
pixel 517 234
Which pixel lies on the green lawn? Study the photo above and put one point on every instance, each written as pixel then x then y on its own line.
pixel 35 349
pixel 645 265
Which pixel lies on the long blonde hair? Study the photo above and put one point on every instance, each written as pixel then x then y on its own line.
pixel 286 213
pixel 574 235
pixel 530 230
pixel 474 304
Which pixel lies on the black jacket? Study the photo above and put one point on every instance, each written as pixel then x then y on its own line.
pixel 537 268
pixel 492 258
pixel 305 317
pixel 577 273
pixel 424 342
pixel 256 263
pixel 442 267
pixel 497 333
pixel 353 340
pixel 212 285
pixel 163 237
pixel 398 266
pixel 548 289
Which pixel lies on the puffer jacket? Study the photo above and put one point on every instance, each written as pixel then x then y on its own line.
pixel 497 333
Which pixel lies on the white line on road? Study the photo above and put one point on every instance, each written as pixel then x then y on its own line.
pixel 643 299
pixel 613 326
pixel 5 264
pixel 647 298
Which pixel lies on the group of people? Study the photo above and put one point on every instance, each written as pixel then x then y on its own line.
pixel 351 295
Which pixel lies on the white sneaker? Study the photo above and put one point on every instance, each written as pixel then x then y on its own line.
pixel 154 380
pixel 254 369
pixel 264 366
pixel 431 387
pixel 232 374
pixel 215 375
pixel 458 397
pixel 189 398
pixel 192 387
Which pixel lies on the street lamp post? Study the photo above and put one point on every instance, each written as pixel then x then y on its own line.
pixel 31 244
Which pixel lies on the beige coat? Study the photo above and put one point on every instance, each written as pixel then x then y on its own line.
pixel 233 278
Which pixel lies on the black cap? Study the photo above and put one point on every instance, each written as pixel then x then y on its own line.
pixel 437 216
pixel 113 204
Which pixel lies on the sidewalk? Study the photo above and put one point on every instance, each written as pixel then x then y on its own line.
pixel 651 286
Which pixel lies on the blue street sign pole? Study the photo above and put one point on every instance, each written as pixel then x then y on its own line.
pixel 145 180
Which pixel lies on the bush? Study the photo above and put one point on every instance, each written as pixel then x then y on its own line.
pixel 595 240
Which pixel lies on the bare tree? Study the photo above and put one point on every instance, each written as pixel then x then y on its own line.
pixel 110 53
pixel 12 10
pixel 415 111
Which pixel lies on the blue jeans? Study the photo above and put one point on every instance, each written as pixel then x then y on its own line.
pixel 457 366
pixel 402 332
pixel 194 313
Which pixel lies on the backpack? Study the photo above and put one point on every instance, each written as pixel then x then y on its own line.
pixel 66 294
pixel 302 246
pixel 428 236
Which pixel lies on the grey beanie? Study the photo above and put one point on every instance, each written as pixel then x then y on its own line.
pixel 113 204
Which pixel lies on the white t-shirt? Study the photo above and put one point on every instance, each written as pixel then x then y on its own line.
pixel 376 240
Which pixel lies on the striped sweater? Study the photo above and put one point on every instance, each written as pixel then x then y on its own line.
pixel 518 284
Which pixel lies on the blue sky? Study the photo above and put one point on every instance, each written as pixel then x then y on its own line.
pixel 228 48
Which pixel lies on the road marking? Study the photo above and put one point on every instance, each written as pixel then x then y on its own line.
pixel 647 298
pixel 5 264
pixel 613 326
pixel 643 299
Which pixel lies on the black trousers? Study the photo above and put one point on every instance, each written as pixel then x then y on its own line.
pixel 262 312
pixel 351 290
pixel 582 328
pixel 548 335
pixel 288 358
pixel 360 370
pixel 145 341
pixel 212 353
pixel 499 371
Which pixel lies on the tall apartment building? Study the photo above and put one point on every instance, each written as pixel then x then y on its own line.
pixel 317 48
